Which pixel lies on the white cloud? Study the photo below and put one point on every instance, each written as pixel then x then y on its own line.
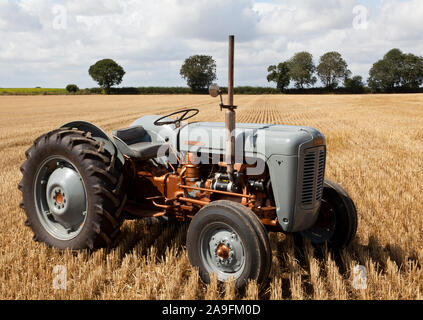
pixel 14 19
pixel 299 18
pixel 95 7
pixel 152 38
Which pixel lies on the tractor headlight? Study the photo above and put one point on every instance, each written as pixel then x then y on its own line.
pixel 318 141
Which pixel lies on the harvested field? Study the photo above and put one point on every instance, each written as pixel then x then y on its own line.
pixel 375 151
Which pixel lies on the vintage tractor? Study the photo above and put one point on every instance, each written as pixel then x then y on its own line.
pixel 232 184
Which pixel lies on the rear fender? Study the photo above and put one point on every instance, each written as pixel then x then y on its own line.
pixel 99 135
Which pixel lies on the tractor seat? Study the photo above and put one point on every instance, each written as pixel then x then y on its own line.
pixel 131 142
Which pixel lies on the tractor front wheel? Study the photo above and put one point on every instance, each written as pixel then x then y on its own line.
pixel 337 220
pixel 227 239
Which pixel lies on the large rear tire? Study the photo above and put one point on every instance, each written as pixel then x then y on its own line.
pixel 229 240
pixel 73 191
pixel 337 220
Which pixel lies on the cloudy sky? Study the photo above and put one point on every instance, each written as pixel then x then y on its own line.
pixel 52 43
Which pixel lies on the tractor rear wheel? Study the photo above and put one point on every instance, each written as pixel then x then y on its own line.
pixel 337 220
pixel 73 191
pixel 229 240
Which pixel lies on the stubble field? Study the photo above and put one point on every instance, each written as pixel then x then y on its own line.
pixel 375 151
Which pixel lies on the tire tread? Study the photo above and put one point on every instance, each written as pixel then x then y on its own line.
pixel 101 166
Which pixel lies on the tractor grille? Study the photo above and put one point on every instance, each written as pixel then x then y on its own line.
pixel 312 175
pixel 308 179
pixel 320 174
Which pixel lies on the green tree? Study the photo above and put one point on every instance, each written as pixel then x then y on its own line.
pixel 396 70
pixel 412 72
pixel 199 71
pixel 301 69
pixel 279 74
pixel 72 88
pixel 331 69
pixel 385 74
pixel 380 79
pixel 354 84
pixel 107 73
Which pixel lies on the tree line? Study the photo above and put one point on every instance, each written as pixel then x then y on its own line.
pixel 395 72
pixel 301 70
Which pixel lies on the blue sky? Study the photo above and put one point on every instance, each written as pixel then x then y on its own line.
pixel 52 43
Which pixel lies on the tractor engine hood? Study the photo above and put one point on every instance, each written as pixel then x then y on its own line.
pixel 255 140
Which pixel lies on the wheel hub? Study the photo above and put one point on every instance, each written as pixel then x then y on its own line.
pixel 59 197
pixel 227 252
pixel 223 251
pixel 66 198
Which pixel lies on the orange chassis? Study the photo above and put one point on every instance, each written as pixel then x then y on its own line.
pixel 155 192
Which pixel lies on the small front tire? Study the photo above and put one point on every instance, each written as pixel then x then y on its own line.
pixel 229 240
pixel 337 220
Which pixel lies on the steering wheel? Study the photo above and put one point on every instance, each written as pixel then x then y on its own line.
pixel 177 122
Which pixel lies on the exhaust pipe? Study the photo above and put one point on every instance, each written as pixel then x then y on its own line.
pixel 230 112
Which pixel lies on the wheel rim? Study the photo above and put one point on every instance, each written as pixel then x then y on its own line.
pixel 60 198
pixel 324 228
pixel 222 251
